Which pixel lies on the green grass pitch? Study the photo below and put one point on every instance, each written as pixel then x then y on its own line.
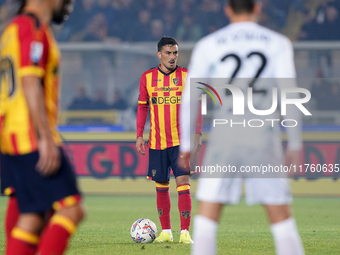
pixel 243 229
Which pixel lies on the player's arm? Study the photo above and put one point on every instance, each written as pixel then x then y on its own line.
pixel 198 68
pixel 142 113
pixel 49 156
pixel 33 59
pixel 285 71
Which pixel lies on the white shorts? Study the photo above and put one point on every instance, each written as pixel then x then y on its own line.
pixel 222 188
pixel 265 191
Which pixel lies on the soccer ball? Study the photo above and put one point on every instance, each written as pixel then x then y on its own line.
pixel 143 231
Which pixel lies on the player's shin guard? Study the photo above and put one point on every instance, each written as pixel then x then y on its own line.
pixel 56 237
pixel 22 242
pixel 286 237
pixel 163 204
pixel 204 236
pixel 184 205
pixel 12 215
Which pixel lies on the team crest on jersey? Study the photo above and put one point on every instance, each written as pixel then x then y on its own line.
pixel 185 214
pixel 175 80
pixel 36 53
pixel 160 212
pixel 154 172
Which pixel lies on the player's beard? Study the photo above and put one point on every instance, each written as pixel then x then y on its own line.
pixel 59 16
pixel 169 67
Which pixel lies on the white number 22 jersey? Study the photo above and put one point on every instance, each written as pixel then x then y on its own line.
pixel 240 50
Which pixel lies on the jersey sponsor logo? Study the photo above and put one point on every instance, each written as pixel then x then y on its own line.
pixel 166 100
pixel 185 214
pixel 166 89
pixel 36 53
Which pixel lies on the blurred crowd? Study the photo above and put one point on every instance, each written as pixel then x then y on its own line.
pixel 187 20
pixel 324 25
pixel 148 20
pixel 326 92
pixel 83 102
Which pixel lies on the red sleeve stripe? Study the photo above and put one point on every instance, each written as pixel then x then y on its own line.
pixel 26 29
pixel 28 33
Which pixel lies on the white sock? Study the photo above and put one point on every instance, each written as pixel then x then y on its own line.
pixel 204 236
pixel 286 237
pixel 184 230
pixel 167 231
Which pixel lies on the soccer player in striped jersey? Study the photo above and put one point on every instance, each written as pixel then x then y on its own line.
pixel 31 157
pixel 161 90
pixel 244 49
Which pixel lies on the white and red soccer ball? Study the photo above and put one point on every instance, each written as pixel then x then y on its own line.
pixel 143 231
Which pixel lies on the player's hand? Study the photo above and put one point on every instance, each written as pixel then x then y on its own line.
pixel 140 145
pixel 198 142
pixel 184 161
pixel 292 158
pixel 49 157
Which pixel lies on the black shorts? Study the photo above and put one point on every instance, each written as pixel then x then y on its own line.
pixel 6 186
pixel 37 193
pixel 160 162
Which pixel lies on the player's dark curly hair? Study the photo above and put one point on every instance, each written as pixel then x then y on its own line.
pixel 165 40
pixel 242 6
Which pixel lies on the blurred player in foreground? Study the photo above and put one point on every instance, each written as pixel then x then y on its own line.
pixel 239 50
pixel 32 160
pixel 161 90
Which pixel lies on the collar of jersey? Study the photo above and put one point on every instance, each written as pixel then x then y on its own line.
pixel 242 23
pixel 164 73
pixel 37 22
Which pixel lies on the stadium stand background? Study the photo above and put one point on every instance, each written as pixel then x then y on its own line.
pixel 122 23
pixel 188 20
pixel 107 44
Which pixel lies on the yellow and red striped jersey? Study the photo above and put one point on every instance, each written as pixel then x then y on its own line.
pixel 28 48
pixel 161 92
